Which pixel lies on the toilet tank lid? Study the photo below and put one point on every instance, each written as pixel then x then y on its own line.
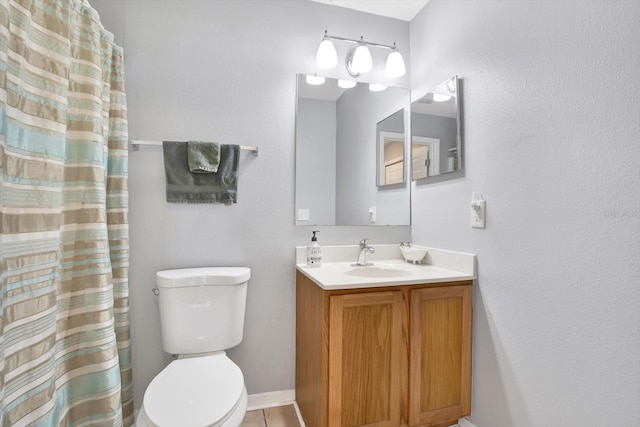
pixel 203 276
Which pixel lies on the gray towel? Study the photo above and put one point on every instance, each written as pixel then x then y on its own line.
pixel 203 157
pixel 186 187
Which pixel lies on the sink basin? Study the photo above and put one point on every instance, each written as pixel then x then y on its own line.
pixel 374 271
pixel 413 253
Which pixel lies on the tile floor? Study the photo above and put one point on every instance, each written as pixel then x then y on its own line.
pixel 281 416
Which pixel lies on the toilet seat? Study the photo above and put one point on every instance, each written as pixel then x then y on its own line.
pixel 199 391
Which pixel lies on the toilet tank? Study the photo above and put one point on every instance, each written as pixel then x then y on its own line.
pixel 202 309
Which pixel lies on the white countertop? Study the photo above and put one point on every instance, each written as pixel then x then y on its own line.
pixel 389 268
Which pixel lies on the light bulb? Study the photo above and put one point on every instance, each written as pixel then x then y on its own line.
pixel 327 56
pixel 314 80
pixel 376 87
pixel 395 65
pixel 346 84
pixel 362 61
pixel 438 97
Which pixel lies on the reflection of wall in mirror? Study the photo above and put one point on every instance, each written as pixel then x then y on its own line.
pixel 443 128
pixel 359 111
pixel 316 160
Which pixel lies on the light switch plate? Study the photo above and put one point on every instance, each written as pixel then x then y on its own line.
pixel 303 215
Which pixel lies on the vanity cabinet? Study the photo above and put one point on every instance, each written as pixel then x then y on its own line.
pixel 384 356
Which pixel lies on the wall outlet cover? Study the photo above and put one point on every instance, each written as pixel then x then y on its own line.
pixel 478 213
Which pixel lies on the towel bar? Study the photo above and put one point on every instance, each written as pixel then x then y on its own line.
pixel 136 143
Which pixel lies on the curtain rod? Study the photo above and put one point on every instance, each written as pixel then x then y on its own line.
pixel 136 143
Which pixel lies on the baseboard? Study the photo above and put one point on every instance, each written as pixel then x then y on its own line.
pixel 302 424
pixel 271 399
pixel 464 422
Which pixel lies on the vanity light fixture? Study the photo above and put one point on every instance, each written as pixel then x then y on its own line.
pixel 395 63
pixel 439 97
pixel 314 80
pixel 346 84
pixel 445 91
pixel 376 88
pixel 359 60
pixel 327 56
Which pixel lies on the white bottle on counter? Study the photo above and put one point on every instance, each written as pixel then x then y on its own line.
pixel 314 252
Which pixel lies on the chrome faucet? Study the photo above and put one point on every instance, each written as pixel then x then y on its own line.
pixel 365 249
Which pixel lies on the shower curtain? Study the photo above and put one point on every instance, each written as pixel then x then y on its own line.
pixel 65 357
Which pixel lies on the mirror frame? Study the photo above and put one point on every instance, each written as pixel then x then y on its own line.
pixel 459 171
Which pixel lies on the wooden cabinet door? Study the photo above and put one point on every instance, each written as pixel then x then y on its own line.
pixel 365 335
pixel 440 354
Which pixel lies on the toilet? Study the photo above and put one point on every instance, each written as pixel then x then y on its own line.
pixel 201 315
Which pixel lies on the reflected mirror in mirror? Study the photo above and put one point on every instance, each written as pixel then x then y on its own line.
pixel 436 144
pixel 337 156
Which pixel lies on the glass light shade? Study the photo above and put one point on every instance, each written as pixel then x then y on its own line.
pixel 438 97
pixel 361 61
pixel 346 84
pixel 376 88
pixel 314 80
pixel 395 65
pixel 327 57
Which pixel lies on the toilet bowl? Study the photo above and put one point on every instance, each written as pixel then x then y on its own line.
pixel 205 391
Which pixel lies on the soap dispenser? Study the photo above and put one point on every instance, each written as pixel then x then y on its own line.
pixel 314 252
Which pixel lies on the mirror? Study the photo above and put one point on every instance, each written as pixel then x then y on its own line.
pixel 338 152
pixel 436 143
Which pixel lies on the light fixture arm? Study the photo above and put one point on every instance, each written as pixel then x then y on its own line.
pixel 361 41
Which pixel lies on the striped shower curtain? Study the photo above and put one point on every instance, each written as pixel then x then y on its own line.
pixel 65 356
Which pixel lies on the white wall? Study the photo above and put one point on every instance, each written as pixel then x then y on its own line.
pixel 551 102
pixel 226 70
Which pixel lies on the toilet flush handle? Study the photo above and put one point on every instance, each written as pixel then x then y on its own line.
pixel 155 291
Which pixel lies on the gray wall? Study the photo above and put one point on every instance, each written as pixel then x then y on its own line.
pixel 393 123
pixel 316 150
pixel 552 136
pixel 226 70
